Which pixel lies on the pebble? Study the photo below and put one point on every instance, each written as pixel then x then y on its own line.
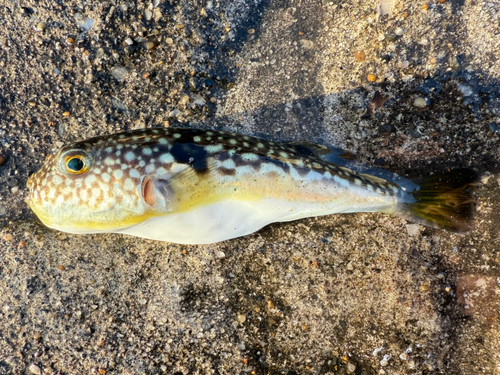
pixel 3 210
pixel 423 41
pixel 40 26
pixel 464 89
pixel 2 160
pixel 242 318
pixel 385 361
pixel 371 77
pixel 179 26
pixel 129 41
pixel 413 229
pixel 184 100
pixel 390 37
pixel 169 41
pixel 419 102
pixel 349 266
pixel 492 125
pixel 148 14
pixel 37 335
pixel 119 73
pixel 34 369
pixel 403 356
pixel 251 31
pixel 351 367
pixel 360 56
pixel 14 190
pixel 8 237
pixel 399 31
pixel 485 178
pixel 99 54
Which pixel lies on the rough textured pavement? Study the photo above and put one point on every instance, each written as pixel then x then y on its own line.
pixel 411 87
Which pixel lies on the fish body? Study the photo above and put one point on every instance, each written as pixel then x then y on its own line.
pixel 194 186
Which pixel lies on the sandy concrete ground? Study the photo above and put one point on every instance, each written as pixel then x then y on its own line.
pixel 412 87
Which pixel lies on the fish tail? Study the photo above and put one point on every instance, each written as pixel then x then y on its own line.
pixel 443 201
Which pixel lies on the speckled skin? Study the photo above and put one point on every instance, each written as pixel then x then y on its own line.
pixel 191 169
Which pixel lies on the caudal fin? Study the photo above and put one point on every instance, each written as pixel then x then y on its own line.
pixel 444 201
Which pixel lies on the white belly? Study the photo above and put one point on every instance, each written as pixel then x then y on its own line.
pixel 229 219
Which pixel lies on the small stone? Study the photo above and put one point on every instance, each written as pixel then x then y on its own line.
pixel 40 26
pixel 8 237
pixel 148 15
pixel 465 89
pixel 371 77
pixel 150 45
pixel 360 56
pixel 485 178
pixel 174 113
pixel 37 335
pixel 419 102
pixel 424 288
pixel 179 26
pixel 423 41
pixel 493 127
pixel 66 114
pixel 351 367
pixel 385 361
pixel 184 100
pixel 119 73
pixel 242 318
pixel 251 31
pixel 169 41
pixel 62 268
pixel 413 229
pixel 99 54
pixel 390 37
pixel 102 371
pixel 14 190
pixel 221 254
pixel 34 369
pixel 403 356
pixel 399 31
pixel 129 41
pixel 70 41
pixel 349 266
pixel 2 160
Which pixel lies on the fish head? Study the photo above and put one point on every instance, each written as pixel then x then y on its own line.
pixel 88 187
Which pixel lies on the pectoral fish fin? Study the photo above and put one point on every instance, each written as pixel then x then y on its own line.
pixel 186 189
pixel 157 193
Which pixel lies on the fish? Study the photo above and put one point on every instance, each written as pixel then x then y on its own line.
pixel 196 186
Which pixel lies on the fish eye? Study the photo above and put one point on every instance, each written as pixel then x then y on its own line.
pixel 75 162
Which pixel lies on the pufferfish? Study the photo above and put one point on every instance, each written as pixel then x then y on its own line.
pixel 194 186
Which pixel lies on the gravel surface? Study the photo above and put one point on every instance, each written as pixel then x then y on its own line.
pixel 411 87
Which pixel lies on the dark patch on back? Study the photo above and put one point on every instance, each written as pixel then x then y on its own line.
pixel 189 153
